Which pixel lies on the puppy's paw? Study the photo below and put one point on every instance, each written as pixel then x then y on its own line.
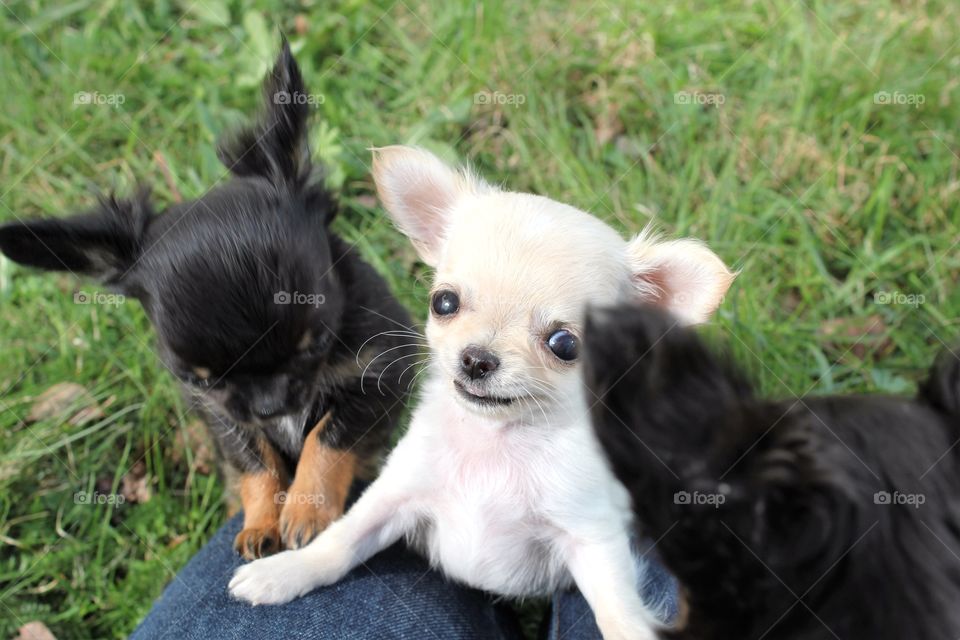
pixel 253 543
pixel 302 520
pixel 274 580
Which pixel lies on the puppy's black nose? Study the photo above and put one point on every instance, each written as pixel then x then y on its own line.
pixel 477 362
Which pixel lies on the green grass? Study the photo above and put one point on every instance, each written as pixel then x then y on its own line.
pixel 822 197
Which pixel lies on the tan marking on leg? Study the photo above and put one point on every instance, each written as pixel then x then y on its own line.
pixel 319 490
pixel 259 492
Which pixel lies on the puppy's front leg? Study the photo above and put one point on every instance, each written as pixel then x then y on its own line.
pixel 319 489
pixel 259 488
pixel 379 518
pixel 606 574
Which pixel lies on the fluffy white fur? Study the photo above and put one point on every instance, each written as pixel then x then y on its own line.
pixel 516 499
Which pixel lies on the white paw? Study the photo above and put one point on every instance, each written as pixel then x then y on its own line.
pixel 275 579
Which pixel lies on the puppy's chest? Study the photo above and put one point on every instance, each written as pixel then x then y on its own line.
pixel 488 525
pixel 288 433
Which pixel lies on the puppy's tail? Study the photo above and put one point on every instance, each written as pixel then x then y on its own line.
pixel 941 390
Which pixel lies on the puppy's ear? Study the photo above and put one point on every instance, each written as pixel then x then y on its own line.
pixel 683 276
pixel 419 192
pixel 275 147
pixel 104 243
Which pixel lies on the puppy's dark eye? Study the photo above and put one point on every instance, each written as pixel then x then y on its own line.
pixel 564 345
pixel 445 302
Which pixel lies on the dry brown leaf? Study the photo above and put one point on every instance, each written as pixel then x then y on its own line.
pixel 85 415
pixel 34 631
pixel 193 437
pixel 135 485
pixel 300 24
pixel 607 125
pixel 177 540
pixel 62 398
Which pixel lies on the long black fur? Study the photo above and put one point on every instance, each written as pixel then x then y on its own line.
pixel 773 515
pixel 212 274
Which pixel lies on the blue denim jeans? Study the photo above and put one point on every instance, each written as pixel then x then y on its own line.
pixel 393 596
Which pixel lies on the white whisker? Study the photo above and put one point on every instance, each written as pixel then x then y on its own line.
pixel 417 375
pixel 391 333
pixel 404 357
pixel 363 374
pixel 427 359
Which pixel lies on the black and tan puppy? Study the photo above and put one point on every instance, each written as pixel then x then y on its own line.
pixel 834 518
pixel 270 320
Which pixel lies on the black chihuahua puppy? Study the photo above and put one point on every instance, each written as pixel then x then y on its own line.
pixel 823 518
pixel 290 345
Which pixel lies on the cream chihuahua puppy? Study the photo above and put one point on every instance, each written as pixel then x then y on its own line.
pixel 499 480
